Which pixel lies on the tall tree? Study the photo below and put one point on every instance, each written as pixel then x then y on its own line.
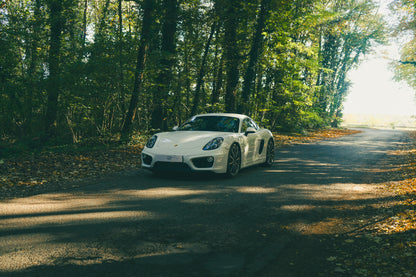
pixel 231 53
pixel 56 21
pixel 148 9
pixel 84 29
pixel 255 50
pixel 32 81
pixel 67 65
pixel 348 35
pixel 120 52
pixel 405 68
pixel 167 60
pixel 202 69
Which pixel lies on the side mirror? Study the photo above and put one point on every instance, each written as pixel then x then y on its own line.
pixel 250 130
pixel 175 128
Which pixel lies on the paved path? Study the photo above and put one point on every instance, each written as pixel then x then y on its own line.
pixel 264 222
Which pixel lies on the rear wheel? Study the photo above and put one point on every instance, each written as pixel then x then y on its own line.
pixel 269 153
pixel 234 160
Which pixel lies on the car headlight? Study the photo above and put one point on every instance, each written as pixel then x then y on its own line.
pixel 151 142
pixel 213 144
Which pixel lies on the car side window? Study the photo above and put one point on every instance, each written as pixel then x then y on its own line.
pixel 254 125
pixel 247 122
pixel 244 125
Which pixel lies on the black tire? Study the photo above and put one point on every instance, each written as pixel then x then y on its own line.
pixel 269 153
pixel 234 160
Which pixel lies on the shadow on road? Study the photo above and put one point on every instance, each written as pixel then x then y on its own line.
pixel 280 221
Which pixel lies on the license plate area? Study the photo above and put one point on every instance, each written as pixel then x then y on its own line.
pixel 170 158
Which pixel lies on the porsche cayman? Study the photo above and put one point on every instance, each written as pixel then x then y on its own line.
pixel 216 142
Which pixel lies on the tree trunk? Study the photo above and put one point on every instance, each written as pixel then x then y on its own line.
pixel 201 74
pixel 141 61
pixel 103 20
pixel 330 60
pixel 120 58
pixel 217 83
pixel 53 88
pixel 164 79
pixel 255 50
pixel 84 31
pixel 31 84
pixel 99 41
pixel 231 56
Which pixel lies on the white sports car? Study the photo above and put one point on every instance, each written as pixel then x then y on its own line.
pixel 220 143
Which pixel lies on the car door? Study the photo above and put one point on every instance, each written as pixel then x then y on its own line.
pixel 250 141
pixel 259 143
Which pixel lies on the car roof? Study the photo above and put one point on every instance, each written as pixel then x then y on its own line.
pixel 240 116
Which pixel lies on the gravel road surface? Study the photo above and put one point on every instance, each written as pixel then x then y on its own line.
pixel 265 222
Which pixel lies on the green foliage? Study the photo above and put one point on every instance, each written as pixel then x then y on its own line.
pixel 405 68
pixel 297 63
pixel 349 31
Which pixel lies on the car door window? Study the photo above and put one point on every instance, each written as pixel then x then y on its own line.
pixel 253 124
pixel 245 125
pixel 247 122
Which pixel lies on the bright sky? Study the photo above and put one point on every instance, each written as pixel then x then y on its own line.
pixel 374 91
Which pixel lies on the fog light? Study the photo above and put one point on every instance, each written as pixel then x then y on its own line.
pixel 147 159
pixel 203 162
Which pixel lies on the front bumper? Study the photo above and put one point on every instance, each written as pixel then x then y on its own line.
pixel 203 161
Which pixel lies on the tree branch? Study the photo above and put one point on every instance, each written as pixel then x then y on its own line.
pixel 4 4
pixel 408 62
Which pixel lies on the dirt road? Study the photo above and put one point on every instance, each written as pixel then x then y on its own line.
pixel 276 221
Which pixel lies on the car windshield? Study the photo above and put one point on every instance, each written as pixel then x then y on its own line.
pixel 211 123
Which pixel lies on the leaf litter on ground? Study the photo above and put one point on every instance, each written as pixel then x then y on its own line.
pixel 385 244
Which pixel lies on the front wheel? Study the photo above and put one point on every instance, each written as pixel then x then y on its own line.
pixel 234 161
pixel 269 153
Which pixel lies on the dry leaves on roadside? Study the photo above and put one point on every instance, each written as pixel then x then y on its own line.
pixel 283 139
pixel 390 242
pixel 48 168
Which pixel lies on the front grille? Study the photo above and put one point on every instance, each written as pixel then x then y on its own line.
pixel 172 167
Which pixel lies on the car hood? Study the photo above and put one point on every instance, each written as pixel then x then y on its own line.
pixel 179 141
